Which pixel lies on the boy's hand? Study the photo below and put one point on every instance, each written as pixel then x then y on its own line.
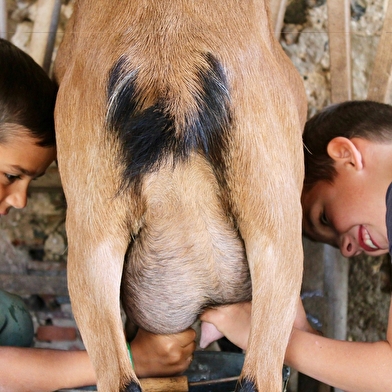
pixel 162 355
pixel 233 321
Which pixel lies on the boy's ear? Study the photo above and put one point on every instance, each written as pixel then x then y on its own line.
pixel 343 151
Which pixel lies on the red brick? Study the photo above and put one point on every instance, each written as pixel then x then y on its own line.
pixel 49 333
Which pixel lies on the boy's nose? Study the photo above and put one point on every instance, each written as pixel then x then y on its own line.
pixel 348 247
pixel 18 198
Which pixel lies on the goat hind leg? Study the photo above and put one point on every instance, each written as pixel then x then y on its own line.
pixel 94 278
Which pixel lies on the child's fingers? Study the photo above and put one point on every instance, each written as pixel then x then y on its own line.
pixel 186 339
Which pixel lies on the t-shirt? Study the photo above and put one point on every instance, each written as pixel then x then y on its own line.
pixel 16 324
pixel 389 217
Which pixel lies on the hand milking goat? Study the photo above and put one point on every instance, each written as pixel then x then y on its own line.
pixel 180 152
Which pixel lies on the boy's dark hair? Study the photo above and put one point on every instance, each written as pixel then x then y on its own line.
pixel 27 95
pixel 364 119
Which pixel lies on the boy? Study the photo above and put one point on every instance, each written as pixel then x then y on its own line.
pixel 347 202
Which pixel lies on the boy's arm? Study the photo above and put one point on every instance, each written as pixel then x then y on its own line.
pixel 351 366
pixel 233 321
pixel 44 370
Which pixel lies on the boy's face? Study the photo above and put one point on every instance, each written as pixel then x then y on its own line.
pixel 348 214
pixel 21 161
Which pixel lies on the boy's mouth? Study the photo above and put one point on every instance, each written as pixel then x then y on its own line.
pixel 365 241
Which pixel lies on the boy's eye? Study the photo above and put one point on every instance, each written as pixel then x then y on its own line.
pixel 11 178
pixel 323 219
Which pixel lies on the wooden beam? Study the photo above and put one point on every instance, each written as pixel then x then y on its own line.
pixel 278 9
pixel 339 49
pixel 380 79
pixel 32 284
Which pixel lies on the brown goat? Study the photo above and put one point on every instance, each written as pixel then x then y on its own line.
pixel 180 152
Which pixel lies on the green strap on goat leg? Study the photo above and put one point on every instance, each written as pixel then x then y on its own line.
pixel 130 355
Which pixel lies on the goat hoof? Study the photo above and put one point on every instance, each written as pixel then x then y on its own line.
pixel 132 387
pixel 245 385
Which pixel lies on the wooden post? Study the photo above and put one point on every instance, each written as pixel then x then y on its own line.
pixel 54 22
pixel 44 31
pixel 3 19
pixel 380 79
pixel 315 302
pixel 325 272
pixel 339 49
pixel 336 289
pixel 278 9
pixel 336 269
pixel 335 265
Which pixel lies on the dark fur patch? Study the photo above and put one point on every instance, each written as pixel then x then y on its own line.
pixel 133 387
pixel 148 136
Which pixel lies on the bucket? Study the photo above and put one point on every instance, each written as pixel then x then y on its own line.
pixel 217 367
pixel 213 366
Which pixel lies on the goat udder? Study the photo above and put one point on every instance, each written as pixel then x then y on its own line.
pixel 209 334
